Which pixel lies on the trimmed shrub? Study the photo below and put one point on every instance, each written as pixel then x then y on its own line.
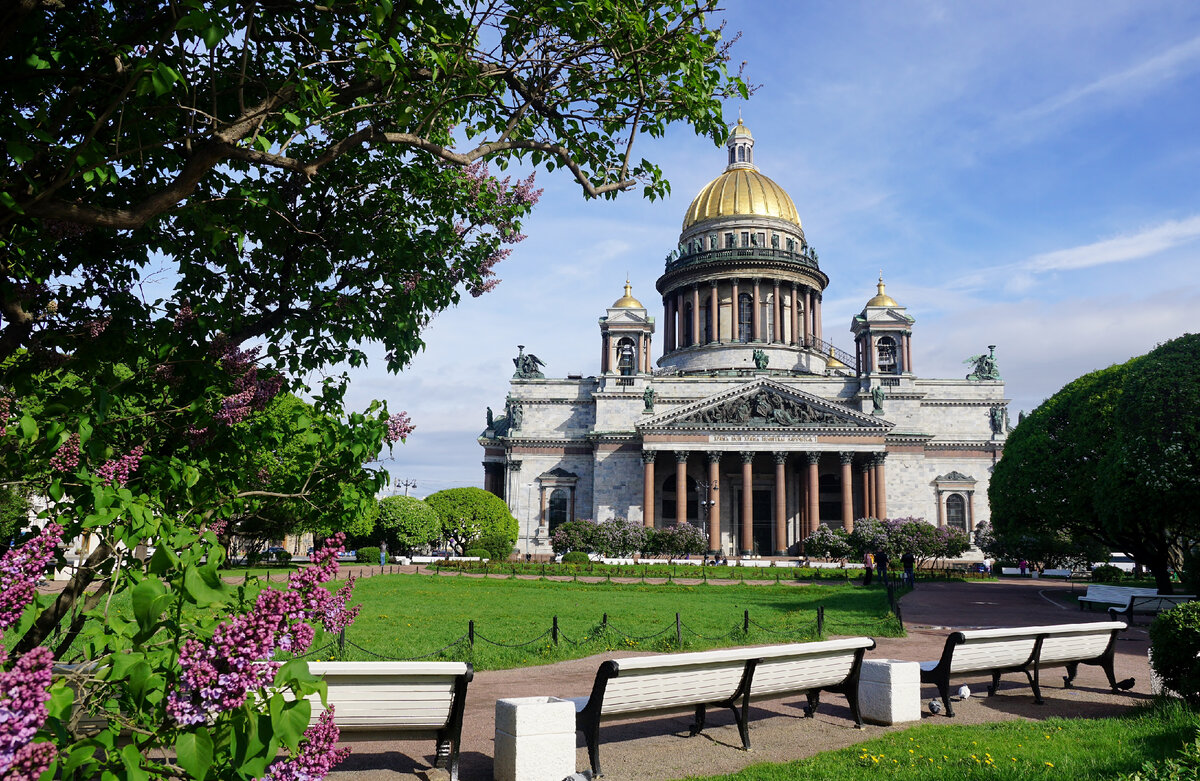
pixel 1107 573
pixel 407 523
pixel 282 557
pixel 575 557
pixel 473 517
pixel 367 555
pixel 482 553
pixel 1174 644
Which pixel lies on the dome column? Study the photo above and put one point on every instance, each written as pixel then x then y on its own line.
pixel 756 315
pixel 807 315
pixel 679 329
pixel 817 316
pixel 735 312
pixel 669 317
pixel 714 314
pixel 777 328
pixel 695 315
pixel 795 326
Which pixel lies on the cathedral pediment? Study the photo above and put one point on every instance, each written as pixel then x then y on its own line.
pixel 765 405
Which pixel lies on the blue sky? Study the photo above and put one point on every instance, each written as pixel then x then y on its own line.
pixel 1026 174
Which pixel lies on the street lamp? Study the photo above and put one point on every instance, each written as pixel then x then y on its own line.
pixel 706 503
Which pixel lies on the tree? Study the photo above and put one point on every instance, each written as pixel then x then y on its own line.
pixel 1109 463
pixel 407 523
pixel 203 205
pixel 473 517
pixel 14 513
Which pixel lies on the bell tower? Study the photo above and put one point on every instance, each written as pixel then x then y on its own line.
pixel 625 337
pixel 883 339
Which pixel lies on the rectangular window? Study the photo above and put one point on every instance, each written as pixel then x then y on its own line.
pixel 729 241
pixel 761 239
pixel 745 238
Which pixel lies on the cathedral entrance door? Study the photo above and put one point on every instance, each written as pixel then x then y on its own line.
pixel 762 522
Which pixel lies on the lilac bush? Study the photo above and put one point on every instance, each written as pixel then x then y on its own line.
pixel 618 537
pixel 316 755
pixel 681 540
pixel 828 542
pixel 574 535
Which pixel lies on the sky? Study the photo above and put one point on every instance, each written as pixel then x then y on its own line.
pixel 1025 174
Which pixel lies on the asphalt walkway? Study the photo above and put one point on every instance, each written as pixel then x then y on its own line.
pixel 657 749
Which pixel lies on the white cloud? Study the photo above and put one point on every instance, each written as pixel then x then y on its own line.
pixel 1151 241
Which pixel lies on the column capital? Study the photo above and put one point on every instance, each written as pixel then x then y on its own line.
pixel 714 282
pixel 880 457
pixel 513 463
pixel 681 456
pixel 714 456
pixel 812 457
pixel 846 457
pixel 864 465
pixel 648 456
pixel 780 456
pixel 747 456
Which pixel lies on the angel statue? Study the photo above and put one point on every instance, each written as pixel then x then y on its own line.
pixel 984 366
pixel 527 366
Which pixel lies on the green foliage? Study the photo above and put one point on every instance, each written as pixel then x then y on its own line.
pixel 1107 573
pixel 367 555
pixel 1185 766
pixel 14 513
pixel 573 536
pixel 479 553
pixel 408 523
pixel 473 515
pixel 1174 647
pixel 1110 462
pixel 575 557
pixel 283 557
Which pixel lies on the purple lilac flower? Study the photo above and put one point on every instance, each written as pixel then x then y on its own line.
pixel 398 427
pixel 23 696
pixel 315 757
pixel 119 470
pixel 66 458
pixel 251 392
pixel 21 569
pixel 217 676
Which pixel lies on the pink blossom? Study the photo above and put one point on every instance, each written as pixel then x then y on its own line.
pixel 119 470
pixel 21 569
pixel 217 676
pixel 23 696
pixel 316 755
pixel 97 327
pixel 66 458
pixel 251 393
pixel 184 316
pixel 398 427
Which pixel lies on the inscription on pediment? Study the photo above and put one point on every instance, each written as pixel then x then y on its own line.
pixel 765 408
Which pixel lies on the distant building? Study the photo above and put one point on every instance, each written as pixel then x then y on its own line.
pixel 751 425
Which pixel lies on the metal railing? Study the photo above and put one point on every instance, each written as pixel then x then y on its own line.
pixel 744 253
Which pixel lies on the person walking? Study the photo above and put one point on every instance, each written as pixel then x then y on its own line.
pixel 868 567
pixel 881 563
pixel 910 578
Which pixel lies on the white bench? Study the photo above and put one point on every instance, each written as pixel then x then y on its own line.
pixel 1025 649
pixel 1146 604
pixel 397 701
pixel 1100 594
pixel 726 678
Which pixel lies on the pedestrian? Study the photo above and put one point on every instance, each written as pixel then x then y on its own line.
pixel 869 567
pixel 909 561
pixel 881 564
pixel 1023 564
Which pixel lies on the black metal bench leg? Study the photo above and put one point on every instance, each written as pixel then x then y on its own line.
pixel 944 690
pixel 591 736
pixel 698 724
pixel 1034 682
pixel 852 700
pixel 814 702
pixel 995 687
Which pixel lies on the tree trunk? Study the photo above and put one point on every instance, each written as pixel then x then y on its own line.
pixel 1162 577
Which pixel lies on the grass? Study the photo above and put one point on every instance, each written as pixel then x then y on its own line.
pixel 406 616
pixel 1074 749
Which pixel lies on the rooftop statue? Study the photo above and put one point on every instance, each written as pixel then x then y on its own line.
pixel 527 366
pixel 877 397
pixel 984 366
pixel 761 359
pixel 648 398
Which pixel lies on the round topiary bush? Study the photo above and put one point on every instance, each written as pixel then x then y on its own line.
pixel 481 553
pixel 367 555
pixel 1107 573
pixel 575 557
pixel 1174 644
pixel 474 518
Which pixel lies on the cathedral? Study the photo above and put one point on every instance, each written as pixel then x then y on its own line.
pixel 750 425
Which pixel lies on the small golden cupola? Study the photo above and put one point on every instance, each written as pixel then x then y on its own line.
pixel 881 298
pixel 627 301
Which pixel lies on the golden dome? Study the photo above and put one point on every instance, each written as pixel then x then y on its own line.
pixel 627 301
pixel 741 130
pixel 741 191
pixel 833 362
pixel 881 298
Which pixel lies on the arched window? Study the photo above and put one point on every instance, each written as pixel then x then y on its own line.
pixel 731 156
pixel 745 317
pixel 956 512
pixel 626 356
pixel 741 154
pixel 668 501
pixel 688 339
pixel 558 507
pixel 887 355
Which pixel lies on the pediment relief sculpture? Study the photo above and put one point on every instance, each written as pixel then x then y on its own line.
pixel 764 408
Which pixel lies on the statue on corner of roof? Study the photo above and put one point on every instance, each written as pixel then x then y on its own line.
pixel 527 365
pixel 877 397
pixel 984 366
pixel 491 420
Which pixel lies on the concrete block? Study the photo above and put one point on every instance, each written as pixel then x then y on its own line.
pixel 889 691
pixel 535 739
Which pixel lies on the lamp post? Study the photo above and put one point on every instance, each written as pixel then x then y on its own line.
pixel 706 504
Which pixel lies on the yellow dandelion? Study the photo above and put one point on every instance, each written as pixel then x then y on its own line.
pixel 1049 764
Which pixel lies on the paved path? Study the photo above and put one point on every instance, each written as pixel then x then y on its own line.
pixel 658 749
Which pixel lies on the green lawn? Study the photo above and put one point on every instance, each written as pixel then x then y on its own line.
pixel 405 616
pixel 1074 749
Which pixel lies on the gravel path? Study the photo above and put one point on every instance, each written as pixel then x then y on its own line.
pixel 658 748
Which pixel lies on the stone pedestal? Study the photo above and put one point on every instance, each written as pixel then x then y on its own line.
pixel 535 739
pixel 889 691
